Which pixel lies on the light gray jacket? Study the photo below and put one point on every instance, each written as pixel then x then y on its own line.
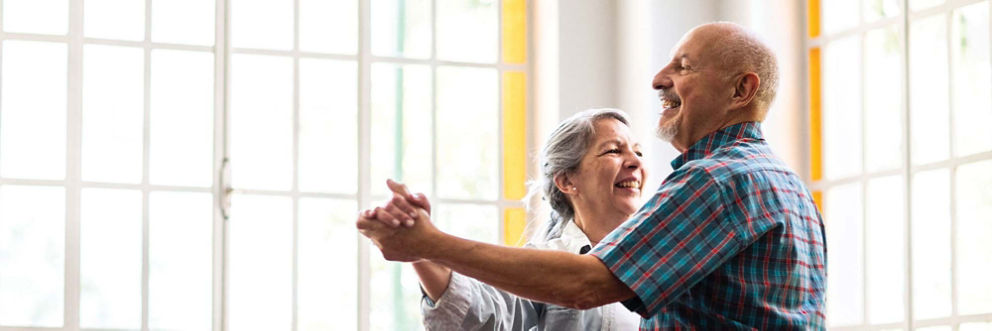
pixel 468 304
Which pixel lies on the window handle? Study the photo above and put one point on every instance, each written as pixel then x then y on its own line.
pixel 226 189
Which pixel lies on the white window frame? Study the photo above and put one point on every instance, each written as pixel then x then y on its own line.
pixel 220 189
pixel 906 169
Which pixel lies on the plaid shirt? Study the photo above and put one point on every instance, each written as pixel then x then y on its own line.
pixel 731 240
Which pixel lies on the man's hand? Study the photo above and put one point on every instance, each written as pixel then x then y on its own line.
pixel 402 208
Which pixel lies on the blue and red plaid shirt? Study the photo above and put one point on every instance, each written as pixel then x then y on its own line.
pixel 731 240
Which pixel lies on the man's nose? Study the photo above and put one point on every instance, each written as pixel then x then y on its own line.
pixel 661 80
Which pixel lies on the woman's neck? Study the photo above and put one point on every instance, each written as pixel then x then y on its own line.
pixel 597 226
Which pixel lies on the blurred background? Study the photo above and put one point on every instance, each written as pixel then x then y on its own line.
pixel 198 164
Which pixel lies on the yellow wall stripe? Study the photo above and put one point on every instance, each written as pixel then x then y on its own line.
pixel 514 135
pixel 514 220
pixel 514 31
pixel 818 199
pixel 813 17
pixel 815 117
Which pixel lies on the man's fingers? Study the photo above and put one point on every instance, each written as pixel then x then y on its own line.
pixel 386 217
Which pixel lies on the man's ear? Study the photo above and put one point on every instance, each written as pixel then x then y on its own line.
pixel 564 184
pixel 745 89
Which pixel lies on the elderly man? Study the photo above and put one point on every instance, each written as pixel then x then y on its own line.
pixel 731 239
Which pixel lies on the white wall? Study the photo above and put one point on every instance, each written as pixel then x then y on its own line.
pixel 604 53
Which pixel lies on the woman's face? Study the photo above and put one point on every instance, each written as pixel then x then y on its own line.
pixel 610 177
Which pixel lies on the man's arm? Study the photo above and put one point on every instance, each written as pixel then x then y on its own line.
pixel 561 278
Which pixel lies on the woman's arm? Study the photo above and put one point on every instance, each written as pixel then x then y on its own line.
pixel 433 277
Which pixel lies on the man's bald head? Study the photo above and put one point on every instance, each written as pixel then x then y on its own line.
pixel 739 50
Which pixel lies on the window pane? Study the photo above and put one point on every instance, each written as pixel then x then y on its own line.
pixel 329 26
pixel 182 118
pixel 260 263
pixel 262 24
pixel 883 99
pixel 466 140
pixel 328 265
pixel 935 328
pixel 395 295
pixel 110 256
pixel 931 210
pixel 878 9
pixel 36 16
pixel 32 110
pixel 32 255
pixel 972 79
pixel 842 108
pixel 113 113
pixel 886 267
pixel 262 122
pixel 974 205
pixel 928 89
pixel 923 4
pixel 466 30
pixel 839 15
pixel 114 19
pixel 976 327
pixel 401 127
pixel 401 28
pixel 183 21
pixel 180 250
pixel 328 126
pixel 476 222
pixel 845 288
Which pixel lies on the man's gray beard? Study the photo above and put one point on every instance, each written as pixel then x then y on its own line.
pixel 667 132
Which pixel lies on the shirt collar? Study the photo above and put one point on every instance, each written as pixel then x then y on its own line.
pixel 717 139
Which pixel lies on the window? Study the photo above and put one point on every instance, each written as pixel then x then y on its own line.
pixel 900 161
pixel 128 127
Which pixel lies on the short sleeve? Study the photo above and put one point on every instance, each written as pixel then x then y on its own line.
pixel 682 234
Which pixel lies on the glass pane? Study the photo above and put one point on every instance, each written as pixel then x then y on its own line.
pixel 476 222
pixel 329 26
pixel 923 4
pixel 931 210
pixel 883 99
pixel 262 122
pixel 182 118
pixel 845 286
pixel 113 113
pixel 32 255
pixel 466 30
pixel 183 21
pixel 972 79
pixel 395 295
pixel 32 110
pixel 36 16
pixel 401 28
pixel 839 15
pixel 886 244
pixel 976 327
pixel 928 89
pixel 467 140
pixel 974 205
pixel 935 328
pixel 878 9
pixel 328 265
pixel 328 126
pixel 260 263
pixel 401 127
pixel 180 270
pixel 262 24
pixel 842 108
pixel 110 259
pixel 114 19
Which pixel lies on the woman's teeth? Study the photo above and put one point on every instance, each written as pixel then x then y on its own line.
pixel 629 184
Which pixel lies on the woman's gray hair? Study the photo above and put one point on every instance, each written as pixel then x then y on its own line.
pixel 561 155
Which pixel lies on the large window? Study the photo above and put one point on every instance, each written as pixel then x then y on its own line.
pixel 188 164
pixel 901 160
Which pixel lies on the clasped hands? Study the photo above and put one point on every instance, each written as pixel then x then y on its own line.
pixel 402 229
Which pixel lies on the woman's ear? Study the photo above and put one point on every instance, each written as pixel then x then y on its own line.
pixel 564 184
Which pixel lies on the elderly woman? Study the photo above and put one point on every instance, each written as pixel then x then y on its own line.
pixel 592 177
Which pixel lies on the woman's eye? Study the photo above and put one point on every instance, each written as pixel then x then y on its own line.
pixel 639 154
pixel 613 151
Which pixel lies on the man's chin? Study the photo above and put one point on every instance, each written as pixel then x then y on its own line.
pixel 666 132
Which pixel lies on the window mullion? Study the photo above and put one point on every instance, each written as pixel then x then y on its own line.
pixel 220 179
pixel 364 156
pixel 907 168
pixel 73 165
